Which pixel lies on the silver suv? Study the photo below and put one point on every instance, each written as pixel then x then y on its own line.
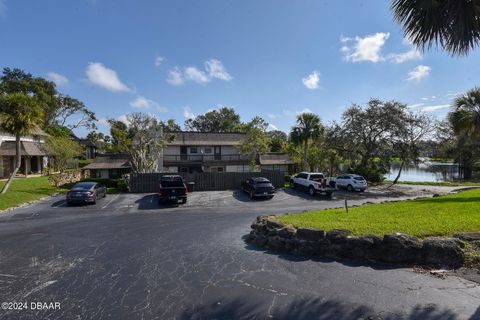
pixel 351 182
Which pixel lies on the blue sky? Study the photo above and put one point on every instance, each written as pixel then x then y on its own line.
pixel 271 58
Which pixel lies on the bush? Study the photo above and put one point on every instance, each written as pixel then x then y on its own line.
pixel 119 183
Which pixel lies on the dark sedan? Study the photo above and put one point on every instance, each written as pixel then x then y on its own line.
pixel 258 187
pixel 86 192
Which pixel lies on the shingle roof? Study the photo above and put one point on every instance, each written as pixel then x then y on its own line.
pixel 275 158
pixel 207 138
pixel 109 161
pixel 28 148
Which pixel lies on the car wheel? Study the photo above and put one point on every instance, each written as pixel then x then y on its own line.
pixel 69 203
pixel 252 195
pixel 350 188
pixel 312 191
pixel 184 200
pixel 271 197
pixel 292 184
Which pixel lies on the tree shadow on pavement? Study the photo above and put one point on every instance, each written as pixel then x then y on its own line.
pixel 150 202
pixel 244 307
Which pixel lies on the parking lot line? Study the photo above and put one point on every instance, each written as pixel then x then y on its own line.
pixel 116 196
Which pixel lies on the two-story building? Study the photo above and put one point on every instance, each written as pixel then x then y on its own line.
pixel 33 153
pixel 214 152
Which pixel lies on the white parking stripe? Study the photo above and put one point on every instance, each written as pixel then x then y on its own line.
pixel 116 196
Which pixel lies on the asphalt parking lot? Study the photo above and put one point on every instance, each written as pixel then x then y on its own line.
pixel 127 257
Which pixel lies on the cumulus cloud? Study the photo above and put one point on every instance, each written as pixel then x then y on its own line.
pixel 312 80
pixel 214 69
pixel 367 48
pixel 175 77
pixel 418 73
pixel 272 127
pixel 196 75
pixel 106 78
pixel 58 79
pixel 435 108
pixel 158 61
pixel 187 113
pixel 412 54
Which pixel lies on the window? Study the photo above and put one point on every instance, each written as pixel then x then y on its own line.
pixel 208 150
pixel 217 169
pixel 193 149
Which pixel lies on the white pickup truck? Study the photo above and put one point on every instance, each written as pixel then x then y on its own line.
pixel 313 182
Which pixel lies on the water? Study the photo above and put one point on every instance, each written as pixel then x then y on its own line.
pixel 426 172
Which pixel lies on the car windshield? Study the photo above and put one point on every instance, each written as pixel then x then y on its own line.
pixel 261 181
pixel 316 177
pixel 359 178
pixel 83 186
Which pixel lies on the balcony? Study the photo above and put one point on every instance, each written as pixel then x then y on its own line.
pixel 205 158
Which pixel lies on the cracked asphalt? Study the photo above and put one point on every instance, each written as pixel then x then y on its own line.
pixel 129 258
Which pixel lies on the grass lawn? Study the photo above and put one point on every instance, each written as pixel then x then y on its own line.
pixel 25 190
pixel 440 216
pixel 30 189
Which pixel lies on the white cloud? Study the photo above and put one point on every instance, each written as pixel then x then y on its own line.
pixel 158 61
pixel 312 81
pixel 187 113
pixel 367 48
pixel 103 121
pixel 306 110
pixel 416 105
pixel 418 73
pixel 273 116
pixel 195 75
pixel 58 79
pixel 435 108
pixel 215 69
pixel 412 54
pixel 104 77
pixel 123 118
pixel 272 127
pixel 175 77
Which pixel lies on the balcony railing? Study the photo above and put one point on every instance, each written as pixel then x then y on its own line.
pixel 204 157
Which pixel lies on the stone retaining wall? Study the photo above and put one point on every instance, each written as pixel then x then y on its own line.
pixel 268 232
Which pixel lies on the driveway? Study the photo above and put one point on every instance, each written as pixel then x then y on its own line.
pixel 129 258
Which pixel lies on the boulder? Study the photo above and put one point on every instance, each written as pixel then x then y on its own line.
pixel 442 252
pixel 287 232
pixel 310 234
pixel 276 243
pixel 274 224
pixel 398 247
pixel 468 236
pixel 338 236
pixel 260 240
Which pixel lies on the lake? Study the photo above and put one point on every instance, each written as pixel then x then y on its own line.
pixel 426 172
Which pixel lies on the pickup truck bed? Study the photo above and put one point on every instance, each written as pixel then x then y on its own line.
pixel 314 183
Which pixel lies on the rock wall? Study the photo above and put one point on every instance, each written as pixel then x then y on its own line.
pixel 268 232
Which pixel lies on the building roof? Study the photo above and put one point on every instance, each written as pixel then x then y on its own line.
pixel 86 143
pixel 109 161
pixel 28 148
pixel 191 138
pixel 275 158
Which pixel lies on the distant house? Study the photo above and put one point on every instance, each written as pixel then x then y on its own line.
pixel 109 166
pixel 89 148
pixel 214 152
pixel 33 153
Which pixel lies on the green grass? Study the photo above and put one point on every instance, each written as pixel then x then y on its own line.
pixel 24 190
pixel 445 184
pixel 440 216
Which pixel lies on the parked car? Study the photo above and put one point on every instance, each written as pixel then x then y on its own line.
pixel 258 187
pixel 313 182
pixel 86 192
pixel 172 189
pixel 350 182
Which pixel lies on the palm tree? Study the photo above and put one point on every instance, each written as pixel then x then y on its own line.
pixel 465 118
pixel 20 114
pixel 452 24
pixel 308 127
